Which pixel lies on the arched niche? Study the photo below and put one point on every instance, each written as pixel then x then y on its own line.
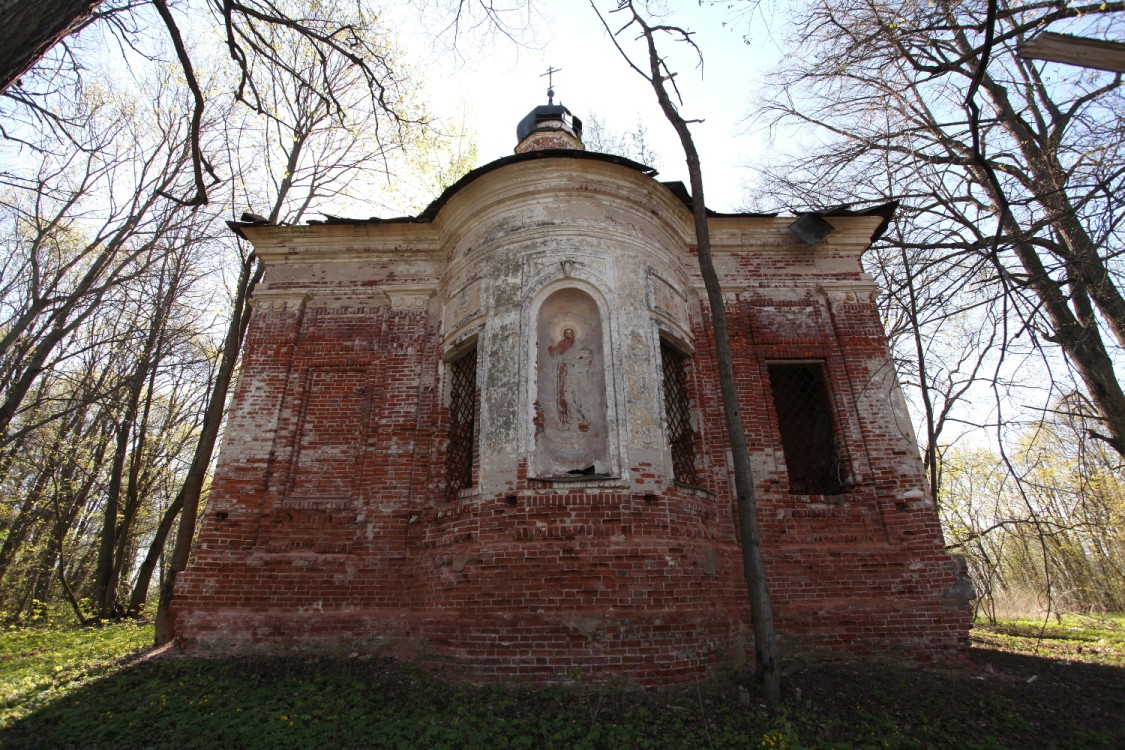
pixel 570 416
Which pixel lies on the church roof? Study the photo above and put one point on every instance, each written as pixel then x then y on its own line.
pixel 676 187
pixel 432 210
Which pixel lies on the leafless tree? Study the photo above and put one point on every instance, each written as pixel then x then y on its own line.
pixel 110 424
pixel 479 20
pixel 32 27
pixel 943 327
pixel 310 152
pixel 1010 170
pixel 258 36
pixel 302 154
pixel 1043 528
pixel 114 370
pixel 655 71
pixel 78 228
pixel 597 135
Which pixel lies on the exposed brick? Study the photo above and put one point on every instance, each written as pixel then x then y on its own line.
pixel 329 528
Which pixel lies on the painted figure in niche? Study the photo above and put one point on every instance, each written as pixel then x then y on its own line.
pixel 573 371
pixel 571 428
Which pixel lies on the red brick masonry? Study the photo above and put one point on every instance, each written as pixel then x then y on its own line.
pixel 329 528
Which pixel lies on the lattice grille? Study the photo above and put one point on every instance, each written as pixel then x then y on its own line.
pixel 677 411
pixel 462 420
pixel 804 417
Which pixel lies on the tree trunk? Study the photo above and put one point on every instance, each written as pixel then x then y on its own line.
pixel 1078 337
pixel 121 557
pixel 930 460
pixel 60 526
pixel 45 571
pixel 26 518
pixel 155 550
pixel 104 591
pixel 188 496
pixel 154 353
pixel 115 532
pixel 753 568
pixel 1049 177
pixel 29 28
pixel 68 593
pixel 1085 274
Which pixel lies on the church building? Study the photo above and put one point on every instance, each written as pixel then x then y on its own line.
pixel 489 438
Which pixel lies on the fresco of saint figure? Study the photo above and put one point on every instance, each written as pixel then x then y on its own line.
pixel 574 365
pixel 569 416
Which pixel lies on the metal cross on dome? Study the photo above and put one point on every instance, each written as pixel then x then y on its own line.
pixel 551 70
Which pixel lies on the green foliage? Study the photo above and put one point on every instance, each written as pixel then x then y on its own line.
pixel 1043 528
pixel 1097 639
pixel 39 665
pixel 60 689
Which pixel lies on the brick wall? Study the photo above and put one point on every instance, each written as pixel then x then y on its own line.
pixel 340 538
pixel 329 528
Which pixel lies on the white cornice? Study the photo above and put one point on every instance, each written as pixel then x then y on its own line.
pixel 343 242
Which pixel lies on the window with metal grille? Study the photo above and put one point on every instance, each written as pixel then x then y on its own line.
pixel 462 420
pixel 678 414
pixel 808 437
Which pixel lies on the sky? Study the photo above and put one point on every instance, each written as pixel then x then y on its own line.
pixel 495 89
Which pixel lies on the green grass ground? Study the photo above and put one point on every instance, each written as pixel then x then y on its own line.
pixel 1092 638
pixel 40 665
pixel 1024 686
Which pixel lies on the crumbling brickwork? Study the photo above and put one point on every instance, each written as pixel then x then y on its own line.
pixel 331 525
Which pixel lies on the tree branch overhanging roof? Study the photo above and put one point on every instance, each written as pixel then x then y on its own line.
pixel 676 187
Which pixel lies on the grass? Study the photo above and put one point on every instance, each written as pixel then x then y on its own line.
pixel 40 665
pixel 1089 638
pixel 69 689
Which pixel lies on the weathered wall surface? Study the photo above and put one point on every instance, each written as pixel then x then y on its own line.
pixel 330 526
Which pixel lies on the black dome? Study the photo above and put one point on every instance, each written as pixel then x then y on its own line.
pixel 547 113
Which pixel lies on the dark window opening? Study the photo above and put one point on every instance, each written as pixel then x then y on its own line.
pixel 462 421
pixel 808 437
pixel 678 414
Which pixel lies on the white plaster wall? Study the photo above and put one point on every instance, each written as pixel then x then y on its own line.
pixel 513 239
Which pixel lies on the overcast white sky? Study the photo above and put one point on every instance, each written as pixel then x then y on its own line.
pixel 504 83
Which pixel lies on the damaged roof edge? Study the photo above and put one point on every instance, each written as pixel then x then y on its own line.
pixel 676 187
pixel 884 210
pixel 236 227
